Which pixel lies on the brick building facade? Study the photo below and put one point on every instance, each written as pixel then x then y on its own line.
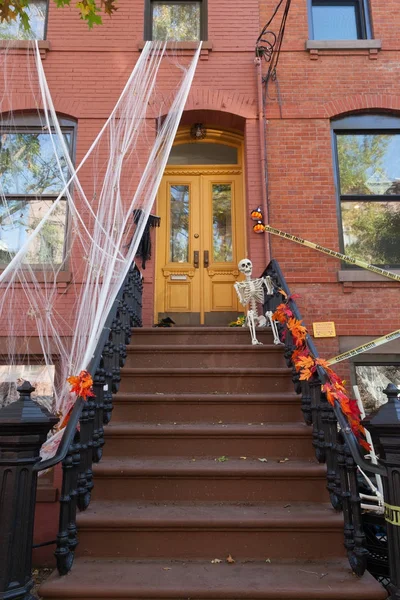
pixel 318 83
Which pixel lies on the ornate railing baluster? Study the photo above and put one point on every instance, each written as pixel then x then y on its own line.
pixel 67 537
pixel 359 554
pixel 98 431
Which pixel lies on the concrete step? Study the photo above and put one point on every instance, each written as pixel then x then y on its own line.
pixel 192 355
pixel 207 380
pixel 228 408
pixel 198 336
pixel 160 479
pixel 204 530
pixel 93 579
pixel 278 440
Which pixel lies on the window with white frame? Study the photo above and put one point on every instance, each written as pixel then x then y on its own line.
pixel 16 30
pixel 176 20
pixel 367 157
pixel 30 182
pixel 339 19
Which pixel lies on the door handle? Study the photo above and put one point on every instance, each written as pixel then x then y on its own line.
pixel 206 258
pixel 196 259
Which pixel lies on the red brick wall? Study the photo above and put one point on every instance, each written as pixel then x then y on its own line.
pixel 87 70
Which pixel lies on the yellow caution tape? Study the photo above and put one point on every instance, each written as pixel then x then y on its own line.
pixel 360 349
pixel 392 514
pixel 343 257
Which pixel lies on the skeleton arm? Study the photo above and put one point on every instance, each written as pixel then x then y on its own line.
pixel 241 290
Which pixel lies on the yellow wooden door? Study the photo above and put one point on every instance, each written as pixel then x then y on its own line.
pixel 199 243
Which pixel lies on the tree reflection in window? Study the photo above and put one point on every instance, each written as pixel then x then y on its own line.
pixel 179 241
pixel 369 177
pixel 30 181
pixel 176 21
pixel 222 222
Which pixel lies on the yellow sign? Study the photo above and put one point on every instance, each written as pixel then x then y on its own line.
pixel 322 330
pixel 392 514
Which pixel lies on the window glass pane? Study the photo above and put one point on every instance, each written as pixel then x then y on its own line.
pixel 335 21
pixel 40 376
pixel 222 222
pixel 203 154
pixel 18 218
pixel 369 164
pixel 177 21
pixel 36 10
pixel 372 380
pixel 371 231
pixel 28 164
pixel 179 243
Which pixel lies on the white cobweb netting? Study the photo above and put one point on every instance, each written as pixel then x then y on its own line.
pixel 57 218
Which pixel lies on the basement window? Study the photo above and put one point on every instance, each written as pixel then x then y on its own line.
pixel 37 11
pixel 339 20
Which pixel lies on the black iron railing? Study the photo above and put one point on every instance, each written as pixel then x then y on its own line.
pixel 370 541
pixel 23 429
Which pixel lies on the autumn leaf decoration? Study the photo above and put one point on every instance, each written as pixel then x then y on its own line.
pixel 306 365
pixel 82 385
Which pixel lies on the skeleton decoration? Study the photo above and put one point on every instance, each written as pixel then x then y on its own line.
pixel 251 293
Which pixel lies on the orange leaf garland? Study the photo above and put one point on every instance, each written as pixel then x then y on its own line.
pixel 82 385
pixel 306 365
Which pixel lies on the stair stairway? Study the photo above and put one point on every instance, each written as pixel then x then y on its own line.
pixel 207 458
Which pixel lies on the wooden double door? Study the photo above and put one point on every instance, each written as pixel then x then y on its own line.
pixel 199 244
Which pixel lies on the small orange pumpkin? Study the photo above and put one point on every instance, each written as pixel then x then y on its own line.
pixel 256 214
pixel 259 227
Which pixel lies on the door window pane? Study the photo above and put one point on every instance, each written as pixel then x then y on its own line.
pixel 369 164
pixel 203 154
pixel 222 222
pixel 13 30
pixel 18 219
pixel 371 231
pixel 336 20
pixel 28 164
pixel 179 242
pixel 177 21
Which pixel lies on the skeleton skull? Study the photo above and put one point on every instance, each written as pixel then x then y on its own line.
pixel 245 266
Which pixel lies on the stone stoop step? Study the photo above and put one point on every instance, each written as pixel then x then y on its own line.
pixel 207 456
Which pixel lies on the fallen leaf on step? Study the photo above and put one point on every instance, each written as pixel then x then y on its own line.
pixel 262 459
pixel 220 422
pixel 221 459
pixel 283 460
pixel 287 505
pixel 243 457
pixel 230 560
pixel 216 561
pixel 166 568
pixel 267 560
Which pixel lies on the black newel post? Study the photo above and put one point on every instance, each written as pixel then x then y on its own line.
pixel 384 426
pixel 24 426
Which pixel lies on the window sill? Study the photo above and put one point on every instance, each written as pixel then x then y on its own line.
pixel 368 47
pixel 62 280
pixel 21 46
pixel 350 275
pixel 186 48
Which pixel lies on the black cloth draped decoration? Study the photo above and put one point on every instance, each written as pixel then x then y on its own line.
pixel 144 248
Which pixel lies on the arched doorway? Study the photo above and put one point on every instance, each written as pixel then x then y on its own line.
pixel 202 233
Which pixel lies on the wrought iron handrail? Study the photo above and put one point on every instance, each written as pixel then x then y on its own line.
pixel 83 445
pixel 323 375
pixel 72 424
pixel 337 447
